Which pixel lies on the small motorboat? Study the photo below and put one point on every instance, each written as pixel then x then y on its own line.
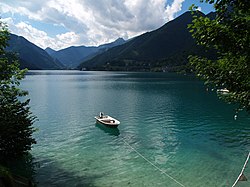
pixel 107 120
pixel 223 91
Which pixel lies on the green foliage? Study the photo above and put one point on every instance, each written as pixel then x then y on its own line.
pixel 228 34
pixel 15 117
pixel 6 177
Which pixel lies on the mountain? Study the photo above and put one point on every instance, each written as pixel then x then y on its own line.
pixel 30 55
pixel 103 48
pixel 72 56
pixel 167 46
pixel 117 42
pixel 49 50
pixel 211 15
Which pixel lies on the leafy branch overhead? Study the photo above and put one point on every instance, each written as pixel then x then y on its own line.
pixel 228 34
pixel 15 117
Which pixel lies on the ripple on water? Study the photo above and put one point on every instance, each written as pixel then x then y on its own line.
pixel 170 119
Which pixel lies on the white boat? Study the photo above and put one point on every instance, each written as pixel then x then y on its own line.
pixel 107 120
pixel 223 91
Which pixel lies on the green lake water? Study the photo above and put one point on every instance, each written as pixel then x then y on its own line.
pixel 171 120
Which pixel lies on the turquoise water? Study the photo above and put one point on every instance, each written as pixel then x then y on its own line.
pixel 171 120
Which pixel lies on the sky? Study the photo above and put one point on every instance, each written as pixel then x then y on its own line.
pixel 62 23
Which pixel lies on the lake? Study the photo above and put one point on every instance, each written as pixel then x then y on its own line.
pixel 173 131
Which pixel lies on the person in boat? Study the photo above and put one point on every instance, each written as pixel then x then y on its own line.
pixel 101 115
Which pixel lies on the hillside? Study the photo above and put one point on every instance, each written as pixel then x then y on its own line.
pixel 72 56
pixel 164 48
pixel 49 50
pixel 30 55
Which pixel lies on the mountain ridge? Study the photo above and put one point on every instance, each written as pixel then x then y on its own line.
pixel 169 45
pixel 72 56
pixel 157 50
pixel 30 55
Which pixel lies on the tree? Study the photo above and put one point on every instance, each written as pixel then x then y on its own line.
pixel 16 120
pixel 228 33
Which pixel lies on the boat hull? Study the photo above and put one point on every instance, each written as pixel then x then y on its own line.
pixel 108 121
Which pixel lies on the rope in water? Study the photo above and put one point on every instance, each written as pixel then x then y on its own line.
pixel 153 164
pixel 241 173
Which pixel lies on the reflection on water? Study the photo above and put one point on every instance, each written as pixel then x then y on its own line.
pixel 170 119
pixel 108 130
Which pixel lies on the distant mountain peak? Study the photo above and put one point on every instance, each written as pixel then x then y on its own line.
pixel 118 41
pixel 72 56
pixel 50 50
pixel 167 46
pixel 30 55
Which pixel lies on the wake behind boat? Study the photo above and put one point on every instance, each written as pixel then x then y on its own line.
pixel 107 120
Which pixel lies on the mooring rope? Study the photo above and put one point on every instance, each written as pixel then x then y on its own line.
pixel 241 173
pixel 169 176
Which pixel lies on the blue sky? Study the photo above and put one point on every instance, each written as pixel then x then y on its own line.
pixel 60 23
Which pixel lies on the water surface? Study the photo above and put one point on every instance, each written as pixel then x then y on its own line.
pixel 169 119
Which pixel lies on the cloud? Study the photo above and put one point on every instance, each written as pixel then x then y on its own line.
pixel 199 8
pixel 88 22
pixel 41 38
pixel 68 38
pixel 172 9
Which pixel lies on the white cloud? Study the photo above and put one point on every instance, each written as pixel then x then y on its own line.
pixel 68 38
pixel 41 38
pixel 88 22
pixel 172 9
